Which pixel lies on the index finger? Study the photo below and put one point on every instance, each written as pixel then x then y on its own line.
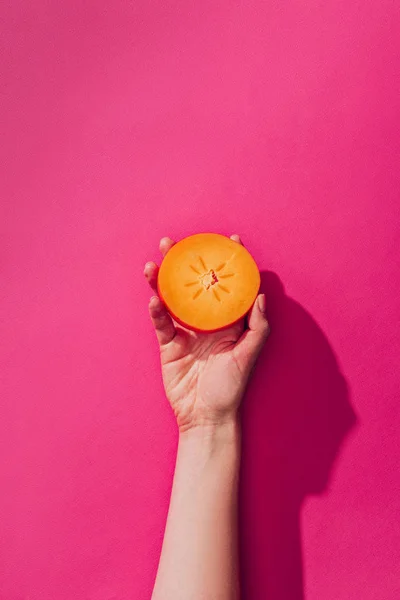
pixel 165 245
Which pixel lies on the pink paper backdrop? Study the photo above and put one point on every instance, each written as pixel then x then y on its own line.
pixel 125 121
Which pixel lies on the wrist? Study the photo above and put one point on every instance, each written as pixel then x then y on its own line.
pixel 223 433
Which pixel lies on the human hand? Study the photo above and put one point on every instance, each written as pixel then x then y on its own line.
pixel 205 374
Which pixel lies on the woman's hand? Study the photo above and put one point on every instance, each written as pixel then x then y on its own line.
pixel 205 374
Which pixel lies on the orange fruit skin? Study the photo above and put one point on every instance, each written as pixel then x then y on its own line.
pixel 235 291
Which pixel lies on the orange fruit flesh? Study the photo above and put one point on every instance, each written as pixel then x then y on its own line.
pixel 208 282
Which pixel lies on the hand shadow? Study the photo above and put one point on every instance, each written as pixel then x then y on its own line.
pixel 295 417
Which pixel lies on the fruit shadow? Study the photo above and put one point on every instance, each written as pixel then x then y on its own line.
pixel 296 416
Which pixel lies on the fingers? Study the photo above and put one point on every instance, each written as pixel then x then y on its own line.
pixel 257 320
pixel 252 341
pixel 151 274
pixel 163 324
pixel 151 269
pixel 165 245
pixel 236 238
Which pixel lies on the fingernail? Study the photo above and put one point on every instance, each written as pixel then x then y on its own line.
pixel 147 266
pixel 262 304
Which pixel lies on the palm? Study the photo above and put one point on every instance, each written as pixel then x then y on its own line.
pixel 202 376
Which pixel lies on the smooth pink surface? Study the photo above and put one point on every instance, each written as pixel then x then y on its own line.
pixel 125 121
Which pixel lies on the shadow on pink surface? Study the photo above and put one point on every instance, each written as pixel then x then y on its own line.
pixel 295 418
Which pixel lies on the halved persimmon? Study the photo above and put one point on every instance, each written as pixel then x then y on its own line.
pixel 208 282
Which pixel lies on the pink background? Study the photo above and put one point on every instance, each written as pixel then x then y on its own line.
pixel 125 121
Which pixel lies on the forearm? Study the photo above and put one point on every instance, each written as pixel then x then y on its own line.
pixel 199 559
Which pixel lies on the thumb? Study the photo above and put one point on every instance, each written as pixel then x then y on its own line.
pixel 253 339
